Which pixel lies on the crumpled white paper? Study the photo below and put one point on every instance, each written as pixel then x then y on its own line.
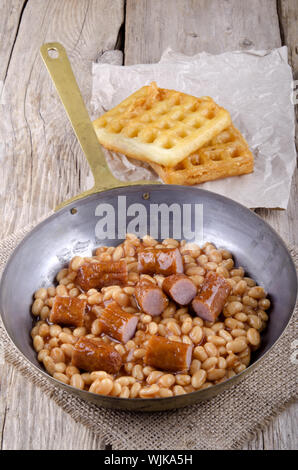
pixel 255 86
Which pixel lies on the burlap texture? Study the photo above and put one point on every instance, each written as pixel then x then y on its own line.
pixel 226 421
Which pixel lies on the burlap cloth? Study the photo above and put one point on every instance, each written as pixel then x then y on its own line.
pixel 226 421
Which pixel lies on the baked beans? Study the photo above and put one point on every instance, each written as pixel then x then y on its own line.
pixel 221 349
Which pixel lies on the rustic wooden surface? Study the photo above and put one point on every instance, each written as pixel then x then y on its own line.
pixel 42 164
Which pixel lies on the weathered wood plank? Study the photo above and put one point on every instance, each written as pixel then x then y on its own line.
pixel 10 14
pixel 30 420
pixel 288 15
pixel 285 222
pixel 192 26
pixel 38 138
pixel 40 142
pixel 216 26
pixel 42 165
pixel 280 433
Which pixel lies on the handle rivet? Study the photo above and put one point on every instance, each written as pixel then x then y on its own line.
pixel 53 53
pixel 146 196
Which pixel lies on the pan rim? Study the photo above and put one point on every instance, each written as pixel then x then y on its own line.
pixel 146 188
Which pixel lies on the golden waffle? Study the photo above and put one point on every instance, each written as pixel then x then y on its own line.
pixel 161 126
pixel 227 154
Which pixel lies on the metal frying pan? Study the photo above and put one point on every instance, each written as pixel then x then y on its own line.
pixel 72 230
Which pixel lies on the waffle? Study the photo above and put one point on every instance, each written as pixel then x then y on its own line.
pixel 227 154
pixel 160 126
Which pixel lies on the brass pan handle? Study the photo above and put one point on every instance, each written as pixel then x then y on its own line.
pixel 59 68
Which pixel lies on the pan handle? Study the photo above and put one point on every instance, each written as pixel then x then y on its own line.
pixel 59 68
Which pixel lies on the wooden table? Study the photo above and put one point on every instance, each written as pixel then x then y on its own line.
pixel 43 164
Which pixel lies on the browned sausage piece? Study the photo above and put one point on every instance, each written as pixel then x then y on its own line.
pixel 103 273
pixel 180 288
pixel 150 298
pixel 168 355
pixel 68 311
pixel 90 355
pixel 117 323
pixel 164 261
pixel 210 301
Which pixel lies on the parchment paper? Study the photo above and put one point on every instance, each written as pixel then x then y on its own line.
pixel 254 86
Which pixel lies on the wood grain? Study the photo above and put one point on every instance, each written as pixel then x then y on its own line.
pixel 217 26
pixel 39 140
pixel 192 26
pixel 29 420
pixel 10 14
pixel 288 16
pixel 43 164
pixel 285 222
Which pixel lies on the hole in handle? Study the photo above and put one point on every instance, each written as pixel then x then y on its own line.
pixel 53 53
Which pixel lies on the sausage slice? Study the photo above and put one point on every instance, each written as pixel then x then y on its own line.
pixel 210 301
pixel 150 298
pixel 103 273
pixel 168 355
pixel 68 311
pixel 164 261
pixel 91 355
pixel 117 323
pixel 180 288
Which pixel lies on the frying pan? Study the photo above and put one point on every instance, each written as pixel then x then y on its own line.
pixel 71 230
